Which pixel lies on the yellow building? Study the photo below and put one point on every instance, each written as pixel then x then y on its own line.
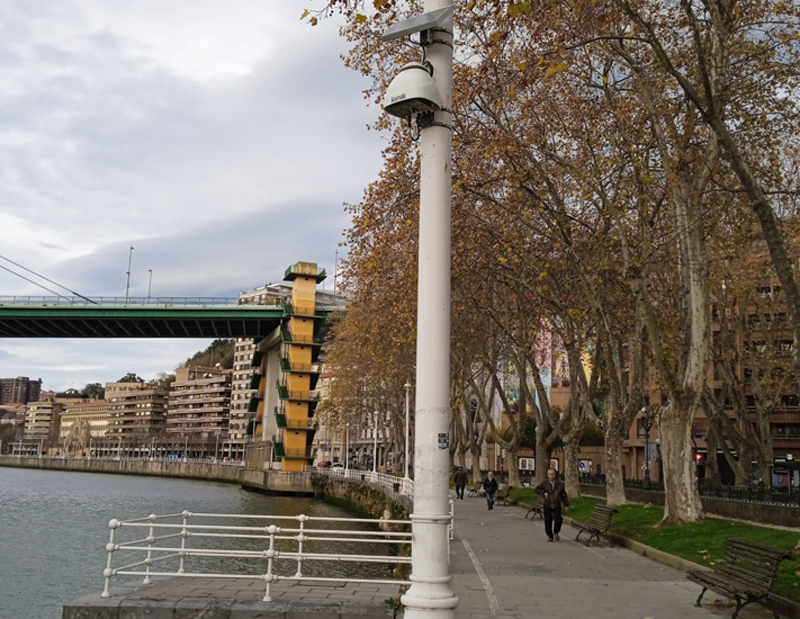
pixel 300 348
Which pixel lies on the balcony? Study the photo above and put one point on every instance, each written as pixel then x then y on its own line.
pixel 255 362
pixel 255 381
pixel 292 424
pixel 252 407
pixel 297 396
pixel 302 311
pixel 287 337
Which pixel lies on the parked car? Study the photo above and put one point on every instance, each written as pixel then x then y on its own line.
pixel 323 463
pixel 337 465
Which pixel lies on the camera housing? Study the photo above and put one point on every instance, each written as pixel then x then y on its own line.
pixel 412 92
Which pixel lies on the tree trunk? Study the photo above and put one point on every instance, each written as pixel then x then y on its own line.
pixel 682 500
pixel 541 458
pixel 512 461
pixel 712 461
pixel 476 468
pixel 615 487
pixel 571 466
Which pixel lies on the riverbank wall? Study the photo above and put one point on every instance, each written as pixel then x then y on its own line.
pixel 270 482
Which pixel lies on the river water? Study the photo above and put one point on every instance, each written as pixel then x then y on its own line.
pixel 54 528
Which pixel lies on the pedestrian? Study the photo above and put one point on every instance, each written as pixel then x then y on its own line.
pixel 553 494
pixel 490 486
pixel 460 479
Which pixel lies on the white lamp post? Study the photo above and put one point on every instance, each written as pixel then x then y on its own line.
pixel 430 595
pixel 347 449
pixel 405 455
pixel 375 446
pixel 128 284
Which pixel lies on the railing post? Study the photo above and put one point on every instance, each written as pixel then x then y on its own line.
pixel 110 548
pixel 150 541
pixel 300 537
pixel 184 535
pixel 451 526
pixel 271 554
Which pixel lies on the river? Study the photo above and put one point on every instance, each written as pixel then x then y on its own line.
pixel 54 527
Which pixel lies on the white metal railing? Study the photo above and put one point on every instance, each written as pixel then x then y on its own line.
pixel 168 542
pixel 400 485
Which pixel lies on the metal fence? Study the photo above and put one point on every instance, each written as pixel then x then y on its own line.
pixel 39 301
pixel 400 485
pixel 727 493
pixel 163 544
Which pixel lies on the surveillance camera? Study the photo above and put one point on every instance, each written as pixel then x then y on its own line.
pixel 412 91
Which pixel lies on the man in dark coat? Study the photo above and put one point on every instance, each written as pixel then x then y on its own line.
pixel 460 480
pixel 490 486
pixel 553 494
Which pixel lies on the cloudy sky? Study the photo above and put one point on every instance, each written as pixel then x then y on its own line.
pixel 219 139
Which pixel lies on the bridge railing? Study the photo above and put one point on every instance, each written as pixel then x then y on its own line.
pixel 47 301
pixel 400 485
pixel 163 547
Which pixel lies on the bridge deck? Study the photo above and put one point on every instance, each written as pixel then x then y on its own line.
pixel 148 321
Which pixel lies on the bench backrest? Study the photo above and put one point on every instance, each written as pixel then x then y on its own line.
pixel 601 517
pixel 504 491
pixel 751 562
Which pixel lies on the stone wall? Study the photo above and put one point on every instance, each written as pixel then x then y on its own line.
pixel 761 513
pixel 158 468
pixel 375 500
pixel 278 482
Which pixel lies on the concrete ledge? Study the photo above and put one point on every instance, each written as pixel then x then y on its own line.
pixel 119 606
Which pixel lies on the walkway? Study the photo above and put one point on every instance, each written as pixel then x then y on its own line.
pixel 504 568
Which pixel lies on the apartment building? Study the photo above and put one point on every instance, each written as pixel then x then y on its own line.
pixel 199 410
pixel 135 410
pixel 43 422
pixel 20 390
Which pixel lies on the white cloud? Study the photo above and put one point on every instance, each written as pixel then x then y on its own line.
pixel 220 139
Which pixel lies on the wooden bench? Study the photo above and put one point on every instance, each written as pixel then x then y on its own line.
pixel 598 524
pixel 746 573
pixel 536 508
pixel 475 490
pixel 502 496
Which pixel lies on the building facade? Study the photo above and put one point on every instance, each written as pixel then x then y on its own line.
pixel 95 413
pixel 20 390
pixel 136 410
pixel 43 422
pixel 199 410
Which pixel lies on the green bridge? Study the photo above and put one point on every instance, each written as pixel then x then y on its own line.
pixel 156 317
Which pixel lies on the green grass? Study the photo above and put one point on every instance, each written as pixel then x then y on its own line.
pixel 700 542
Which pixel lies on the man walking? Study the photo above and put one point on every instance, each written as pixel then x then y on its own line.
pixel 490 487
pixel 553 494
pixel 460 480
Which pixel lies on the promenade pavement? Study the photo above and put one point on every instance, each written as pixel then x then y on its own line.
pixel 503 567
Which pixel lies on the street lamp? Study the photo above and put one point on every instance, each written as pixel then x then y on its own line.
pixel 375 446
pixel 216 449
pixel 347 449
pixel 405 457
pixel 128 284
pixel 645 414
pixel 149 284
pixel 430 595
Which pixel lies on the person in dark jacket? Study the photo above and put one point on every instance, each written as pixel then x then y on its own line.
pixel 553 494
pixel 460 480
pixel 490 486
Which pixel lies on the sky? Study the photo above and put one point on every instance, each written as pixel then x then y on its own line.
pixel 219 139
